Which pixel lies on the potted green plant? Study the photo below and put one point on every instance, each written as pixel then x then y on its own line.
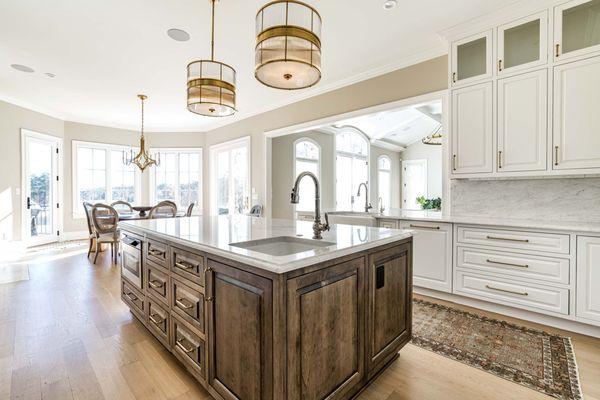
pixel 430 204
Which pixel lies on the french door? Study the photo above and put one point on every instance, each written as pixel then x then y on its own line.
pixel 41 183
pixel 414 183
pixel 230 177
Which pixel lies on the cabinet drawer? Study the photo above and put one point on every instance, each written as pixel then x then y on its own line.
pixel 555 270
pixel 157 252
pixel 512 293
pixel 158 320
pixel 521 240
pixel 131 260
pixel 157 282
pixel 188 265
pixel 388 223
pixel 188 303
pixel 188 347
pixel 133 298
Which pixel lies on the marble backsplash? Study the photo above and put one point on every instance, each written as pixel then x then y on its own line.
pixel 567 199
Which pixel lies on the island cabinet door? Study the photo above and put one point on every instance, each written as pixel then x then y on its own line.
pixel 325 332
pixel 240 313
pixel 389 313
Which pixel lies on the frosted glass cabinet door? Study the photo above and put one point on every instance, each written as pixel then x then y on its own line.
pixel 522 44
pixel 576 28
pixel 472 58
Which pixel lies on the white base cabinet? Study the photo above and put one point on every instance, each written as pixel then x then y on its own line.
pixel 588 278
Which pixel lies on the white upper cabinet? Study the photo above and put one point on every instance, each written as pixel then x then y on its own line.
pixel 522 122
pixel 472 129
pixel 588 278
pixel 523 43
pixel 576 141
pixel 472 58
pixel 576 28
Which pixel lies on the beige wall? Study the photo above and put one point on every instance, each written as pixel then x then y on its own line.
pixel 433 155
pixel 394 156
pixel 418 79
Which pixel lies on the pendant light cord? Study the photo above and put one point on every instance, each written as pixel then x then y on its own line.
pixel 212 30
pixel 142 117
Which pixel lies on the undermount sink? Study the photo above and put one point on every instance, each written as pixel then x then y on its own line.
pixel 282 245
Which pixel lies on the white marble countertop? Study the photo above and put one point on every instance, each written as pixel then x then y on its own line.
pixel 214 235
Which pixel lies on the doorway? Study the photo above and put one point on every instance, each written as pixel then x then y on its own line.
pixel 41 187
pixel 414 183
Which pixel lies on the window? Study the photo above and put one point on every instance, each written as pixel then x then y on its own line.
pixel 230 177
pixel 414 179
pixel 101 177
pixel 352 169
pixel 307 155
pixel 384 180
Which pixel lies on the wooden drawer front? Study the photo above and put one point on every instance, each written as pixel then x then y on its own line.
pixel 157 252
pixel 189 303
pixel 131 261
pixel 158 321
pixel 534 241
pixel 133 298
pixel 388 223
pixel 512 293
pixel 157 282
pixel 187 264
pixel 188 347
pixel 555 270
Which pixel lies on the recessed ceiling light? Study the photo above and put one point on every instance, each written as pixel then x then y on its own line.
pixel 389 4
pixel 178 34
pixel 49 74
pixel 22 68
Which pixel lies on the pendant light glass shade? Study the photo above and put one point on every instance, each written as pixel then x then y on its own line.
pixel 288 45
pixel 211 84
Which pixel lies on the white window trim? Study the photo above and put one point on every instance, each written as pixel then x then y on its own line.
pixel 231 144
pixel 197 150
pixel 294 158
pixel 77 206
pixel 389 171
pixel 354 155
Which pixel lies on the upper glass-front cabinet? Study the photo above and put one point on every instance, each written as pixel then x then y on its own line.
pixel 577 28
pixel 472 58
pixel 522 44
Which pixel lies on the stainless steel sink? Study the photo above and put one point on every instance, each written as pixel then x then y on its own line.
pixel 282 245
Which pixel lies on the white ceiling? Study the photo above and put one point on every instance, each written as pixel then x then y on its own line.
pixel 105 52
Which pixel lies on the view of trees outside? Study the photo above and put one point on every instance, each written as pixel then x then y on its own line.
pixel 40 203
pixel 178 178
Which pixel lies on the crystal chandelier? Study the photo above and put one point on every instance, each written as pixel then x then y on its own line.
pixel 210 83
pixel 288 45
pixel 143 159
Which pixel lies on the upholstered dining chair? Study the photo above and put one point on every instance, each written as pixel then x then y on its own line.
pixel 88 216
pixel 121 205
pixel 105 219
pixel 164 209
pixel 188 213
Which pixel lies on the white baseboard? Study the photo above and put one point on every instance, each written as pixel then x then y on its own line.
pixel 74 235
pixel 560 323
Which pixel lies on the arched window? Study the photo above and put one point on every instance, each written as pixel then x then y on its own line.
pixel 351 168
pixel 307 157
pixel 384 180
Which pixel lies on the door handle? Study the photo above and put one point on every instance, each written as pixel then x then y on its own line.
pixel 29 203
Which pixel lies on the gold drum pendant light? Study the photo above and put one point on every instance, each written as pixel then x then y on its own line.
pixel 288 45
pixel 143 159
pixel 210 83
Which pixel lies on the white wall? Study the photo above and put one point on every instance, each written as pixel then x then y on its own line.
pixel 434 156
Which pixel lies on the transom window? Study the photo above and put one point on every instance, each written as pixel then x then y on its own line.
pixel 384 180
pixel 307 156
pixel 352 169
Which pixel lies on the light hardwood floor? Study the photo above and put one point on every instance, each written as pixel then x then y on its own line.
pixel 65 334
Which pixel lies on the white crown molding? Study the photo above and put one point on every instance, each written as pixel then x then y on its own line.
pixel 32 107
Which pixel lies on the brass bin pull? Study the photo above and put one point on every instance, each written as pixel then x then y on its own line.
pixel 506 291
pixel 156 284
pixel 157 253
pixel 184 303
pixel 507 239
pixel 183 265
pixel 131 296
pixel 509 264
pixel 425 227
pixel 180 344
pixel 155 321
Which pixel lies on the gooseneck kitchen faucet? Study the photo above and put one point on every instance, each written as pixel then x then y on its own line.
pixel 318 226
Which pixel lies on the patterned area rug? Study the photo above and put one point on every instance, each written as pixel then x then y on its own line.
pixel 532 358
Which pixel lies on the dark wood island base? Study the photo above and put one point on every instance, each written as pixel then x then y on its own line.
pixel 320 332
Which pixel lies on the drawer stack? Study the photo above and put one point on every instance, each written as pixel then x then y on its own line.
pixel 524 269
pixel 164 288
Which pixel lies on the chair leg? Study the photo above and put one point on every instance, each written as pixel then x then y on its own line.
pixel 97 250
pixel 90 247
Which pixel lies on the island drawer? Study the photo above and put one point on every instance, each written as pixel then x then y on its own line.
pixel 157 252
pixel 519 240
pixel 158 320
pixel 131 260
pixel 188 347
pixel 157 282
pixel 539 268
pixel 512 293
pixel 188 303
pixel 188 265
pixel 133 298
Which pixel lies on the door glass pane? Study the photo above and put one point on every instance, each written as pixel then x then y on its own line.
pixel 581 26
pixel 522 44
pixel 239 172
pixel 39 159
pixel 471 58
pixel 222 182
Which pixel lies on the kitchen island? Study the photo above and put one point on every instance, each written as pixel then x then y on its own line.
pixel 255 309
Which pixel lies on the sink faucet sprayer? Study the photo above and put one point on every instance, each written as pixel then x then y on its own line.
pixel 368 205
pixel 318 226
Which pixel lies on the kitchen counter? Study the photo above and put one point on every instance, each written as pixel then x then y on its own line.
pixel 215 234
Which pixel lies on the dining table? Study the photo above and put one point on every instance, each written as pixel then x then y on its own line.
pixel 132 215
